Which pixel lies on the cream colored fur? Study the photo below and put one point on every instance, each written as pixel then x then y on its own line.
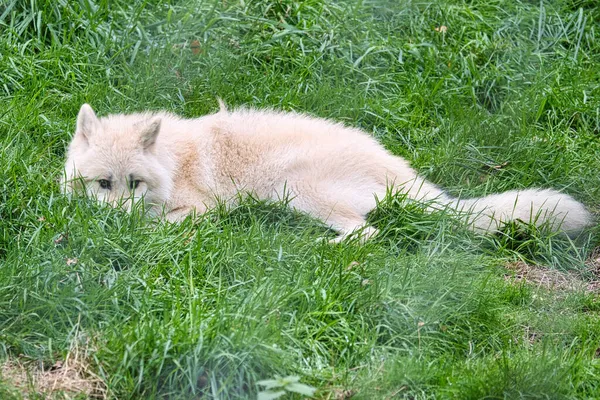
pixel 330 171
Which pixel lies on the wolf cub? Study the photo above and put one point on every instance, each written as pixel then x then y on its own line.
pixel 328 170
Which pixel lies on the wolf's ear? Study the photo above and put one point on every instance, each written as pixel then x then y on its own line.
pixel 87 123
pixel 149 133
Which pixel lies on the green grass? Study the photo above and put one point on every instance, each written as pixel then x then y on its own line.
pixel 508 97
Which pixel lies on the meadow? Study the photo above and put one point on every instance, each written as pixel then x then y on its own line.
pixel 481 97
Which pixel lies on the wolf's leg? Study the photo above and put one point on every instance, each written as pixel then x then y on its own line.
pixel 339 214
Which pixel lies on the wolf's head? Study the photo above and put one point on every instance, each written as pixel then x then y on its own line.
pixel 118 159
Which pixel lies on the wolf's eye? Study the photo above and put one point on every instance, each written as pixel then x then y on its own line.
pixel 104 183
pixel 134 184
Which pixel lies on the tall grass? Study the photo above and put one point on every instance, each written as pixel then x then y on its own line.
pixel 505 96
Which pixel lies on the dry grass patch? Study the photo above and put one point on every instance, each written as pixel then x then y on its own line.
pixel 66 379
pixel 551 279
pixel 593 264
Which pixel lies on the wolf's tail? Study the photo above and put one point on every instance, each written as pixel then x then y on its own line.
pixel 547 207
pixel 541 207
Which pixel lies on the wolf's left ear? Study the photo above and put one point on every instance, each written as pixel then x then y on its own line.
pixel 87 123
pixel 149 133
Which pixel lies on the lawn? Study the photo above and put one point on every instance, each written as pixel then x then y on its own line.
pixel 481 97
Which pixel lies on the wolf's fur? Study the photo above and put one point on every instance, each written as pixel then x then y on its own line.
pixel 330 171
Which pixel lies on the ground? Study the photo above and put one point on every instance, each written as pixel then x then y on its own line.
pixel 480 96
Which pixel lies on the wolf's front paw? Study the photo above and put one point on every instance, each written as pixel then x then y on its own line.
pixel 178 214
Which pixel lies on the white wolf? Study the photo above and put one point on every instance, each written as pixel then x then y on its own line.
pixel 330 171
